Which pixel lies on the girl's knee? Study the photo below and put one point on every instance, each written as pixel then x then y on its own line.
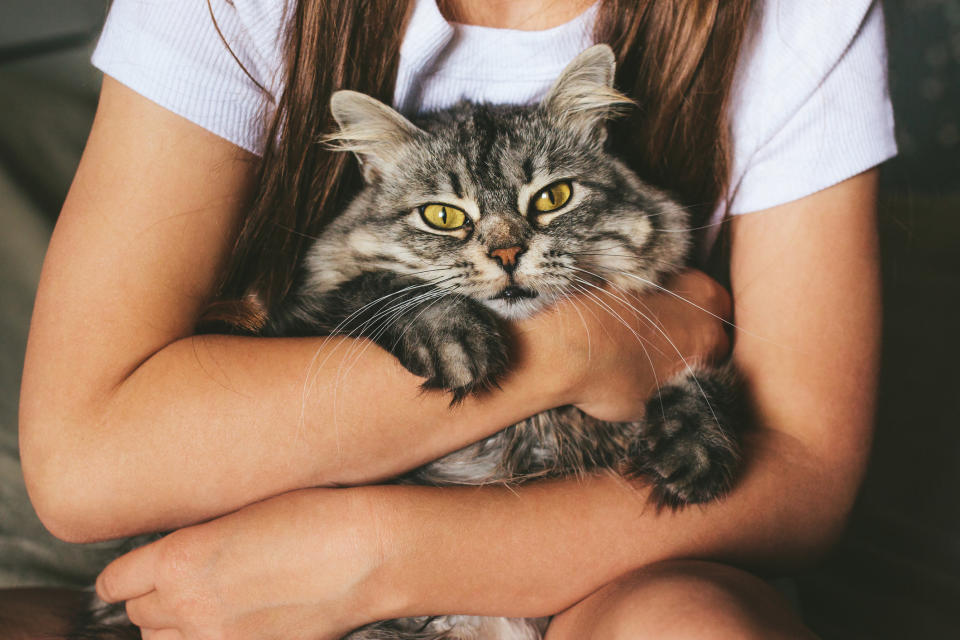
pixel 688 599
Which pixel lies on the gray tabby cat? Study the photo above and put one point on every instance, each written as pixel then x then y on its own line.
pixel 484 213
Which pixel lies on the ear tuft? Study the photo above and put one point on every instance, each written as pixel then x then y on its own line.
pixel 368 128
pixel 583 96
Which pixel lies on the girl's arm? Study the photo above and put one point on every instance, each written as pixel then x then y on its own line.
pixel 129 423
pixel 806 285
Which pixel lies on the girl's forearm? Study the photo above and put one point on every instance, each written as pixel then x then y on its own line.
pixel 537 549
pixel 212 423
pixel 340 558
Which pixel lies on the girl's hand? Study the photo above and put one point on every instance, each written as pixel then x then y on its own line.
pixel 293 566
pixel 616 348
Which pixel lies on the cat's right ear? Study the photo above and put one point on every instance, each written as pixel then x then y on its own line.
pixel 583 97
pixel 370 129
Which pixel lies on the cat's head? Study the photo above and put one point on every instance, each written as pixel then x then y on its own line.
pixel 514 206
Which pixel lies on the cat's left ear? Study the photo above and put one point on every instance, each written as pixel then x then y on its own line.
pixel 370 129
pixel 583 97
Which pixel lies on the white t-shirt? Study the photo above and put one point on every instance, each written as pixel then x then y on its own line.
pixel 810 106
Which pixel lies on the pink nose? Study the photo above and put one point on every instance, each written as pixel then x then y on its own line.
pixel 506 257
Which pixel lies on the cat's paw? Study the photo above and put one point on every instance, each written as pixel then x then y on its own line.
pixel 687 447
pixel 456 344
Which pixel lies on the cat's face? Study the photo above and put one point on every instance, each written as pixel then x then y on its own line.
pixel 513 206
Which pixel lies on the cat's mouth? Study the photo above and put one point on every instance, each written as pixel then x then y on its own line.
pixel 513 293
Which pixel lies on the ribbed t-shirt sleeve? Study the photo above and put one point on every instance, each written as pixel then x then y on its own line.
pixel 177 54
pixel 823 115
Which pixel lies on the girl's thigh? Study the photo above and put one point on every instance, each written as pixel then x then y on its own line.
pixel 681 599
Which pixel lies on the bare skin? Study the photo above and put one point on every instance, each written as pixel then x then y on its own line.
pixel 524 15
pixel 125 280
pixel 681 599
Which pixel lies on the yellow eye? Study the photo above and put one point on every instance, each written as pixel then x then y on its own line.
pixel 553 197
pixel 443 216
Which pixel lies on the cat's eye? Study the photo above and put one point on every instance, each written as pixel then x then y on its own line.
pixel 443 216
pixel 552 197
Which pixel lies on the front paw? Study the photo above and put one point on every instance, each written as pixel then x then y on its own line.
pixel 687 446
pixel 455 343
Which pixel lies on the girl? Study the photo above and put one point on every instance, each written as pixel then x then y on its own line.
pixel 184 196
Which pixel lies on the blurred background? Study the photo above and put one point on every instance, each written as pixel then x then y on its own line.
pixel 896 574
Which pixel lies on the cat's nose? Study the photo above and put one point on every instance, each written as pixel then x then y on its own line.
pixel 507 257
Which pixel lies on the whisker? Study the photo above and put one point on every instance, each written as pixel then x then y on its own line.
pixel 651 320
pixel 344 369
pixel 653 369
pixel 614 312
pixel 690 302
pixel 310 378
pixel 382 318
pixel 432 297
pixel 432 300
pixel 677 296
pixel 586 330
pixel 632 295
pixel 686 365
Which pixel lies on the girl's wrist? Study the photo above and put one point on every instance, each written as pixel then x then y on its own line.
pixel 388 531
pixel 549 358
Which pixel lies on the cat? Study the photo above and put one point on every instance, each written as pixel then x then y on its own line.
pixel 478 214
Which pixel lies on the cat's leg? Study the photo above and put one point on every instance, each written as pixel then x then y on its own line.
pixel 453 341
pixel 687 446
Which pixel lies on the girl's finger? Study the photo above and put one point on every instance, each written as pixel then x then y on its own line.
pixel 129 576
pixel 148 611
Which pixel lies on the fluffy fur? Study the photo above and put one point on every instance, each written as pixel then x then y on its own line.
pixel 436 298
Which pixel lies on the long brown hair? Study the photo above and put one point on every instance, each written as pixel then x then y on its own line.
pixel 675 58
